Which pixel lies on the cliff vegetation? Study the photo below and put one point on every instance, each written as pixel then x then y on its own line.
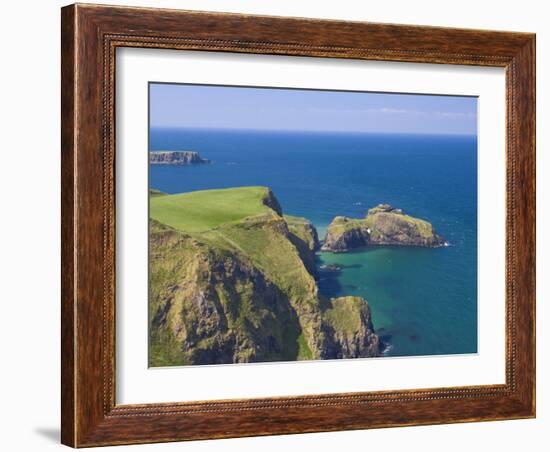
pixel 232 280
pixel 383 225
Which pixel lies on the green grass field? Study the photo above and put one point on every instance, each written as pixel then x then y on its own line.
pixel 207 209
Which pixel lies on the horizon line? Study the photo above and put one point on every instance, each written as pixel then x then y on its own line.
pixel 361 132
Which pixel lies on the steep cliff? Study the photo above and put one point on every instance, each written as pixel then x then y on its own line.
pixel 230 290
pixel 303 236
pixel 351 330
pixel 383 225
pixel 176 158
pixel 211 306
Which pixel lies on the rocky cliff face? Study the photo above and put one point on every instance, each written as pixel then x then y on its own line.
pixel 345 234
pixel 176 158
pixel 303 236
pixel 245 292
pixel 213 307
pixel 383 225
pixel 351 333
pixel 269 200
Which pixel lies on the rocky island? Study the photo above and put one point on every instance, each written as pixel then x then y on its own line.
pixel 232 280
pixel 383 225
pixel 176 158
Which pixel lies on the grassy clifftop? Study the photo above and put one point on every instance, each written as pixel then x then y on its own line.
pixel 232 280
pixel 203 210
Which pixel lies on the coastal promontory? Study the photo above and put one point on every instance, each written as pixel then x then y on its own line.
pixel 233 281
pixel 176 158
pixel 383 225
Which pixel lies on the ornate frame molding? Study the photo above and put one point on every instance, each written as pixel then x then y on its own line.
pixel 90 37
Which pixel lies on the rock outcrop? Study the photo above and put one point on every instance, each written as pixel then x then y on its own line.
pixel 383 225
pixel 245 291
pixel 176 158
pixel 269 200
pixel 303 236
pixel 351 330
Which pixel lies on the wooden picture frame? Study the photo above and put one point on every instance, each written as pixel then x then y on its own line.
pixel 90 36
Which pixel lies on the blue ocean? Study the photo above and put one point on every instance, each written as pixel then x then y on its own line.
pixel 423 301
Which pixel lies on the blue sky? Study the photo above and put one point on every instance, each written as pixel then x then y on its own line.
pixel 219 107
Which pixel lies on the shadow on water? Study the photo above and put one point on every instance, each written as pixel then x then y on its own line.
pixel 329 278
pixel 329 284
pixel 384 335
pixel 385 338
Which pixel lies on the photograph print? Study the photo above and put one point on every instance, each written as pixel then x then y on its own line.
pixel 301 224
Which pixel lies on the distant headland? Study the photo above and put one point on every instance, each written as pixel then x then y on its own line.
pixel 176 158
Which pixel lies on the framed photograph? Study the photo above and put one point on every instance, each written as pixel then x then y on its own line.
pixel 281 225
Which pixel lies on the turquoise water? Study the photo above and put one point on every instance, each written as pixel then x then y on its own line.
pixel 423 301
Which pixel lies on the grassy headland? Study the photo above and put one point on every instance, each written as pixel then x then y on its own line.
pixel 232 280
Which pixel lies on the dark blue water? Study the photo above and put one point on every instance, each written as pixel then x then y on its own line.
pixel 423 300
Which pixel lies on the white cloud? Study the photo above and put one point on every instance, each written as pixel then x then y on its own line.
pixel 395 111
